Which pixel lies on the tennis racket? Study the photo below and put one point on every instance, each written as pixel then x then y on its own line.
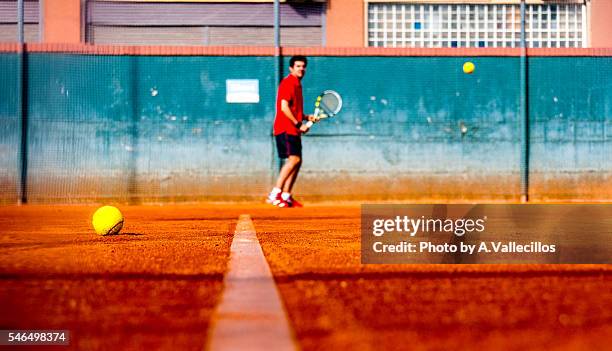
pixel 328 104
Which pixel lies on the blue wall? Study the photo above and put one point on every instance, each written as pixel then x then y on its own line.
pixel 571 127
pixel 158 128
pixel 10 125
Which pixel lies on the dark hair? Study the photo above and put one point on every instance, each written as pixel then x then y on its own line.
pixel 298 58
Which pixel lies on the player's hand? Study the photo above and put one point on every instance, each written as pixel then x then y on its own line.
pixel 304 129
pixel 316 118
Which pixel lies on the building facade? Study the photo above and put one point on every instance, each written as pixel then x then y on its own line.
pixel 469 23
pixel 314 23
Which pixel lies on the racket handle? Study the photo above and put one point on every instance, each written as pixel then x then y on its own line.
pixel 316 113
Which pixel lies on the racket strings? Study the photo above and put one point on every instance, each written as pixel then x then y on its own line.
pixel 330 104
pixel 328 110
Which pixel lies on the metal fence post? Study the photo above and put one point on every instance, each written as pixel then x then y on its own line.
pixel 524 111
pixel 22 105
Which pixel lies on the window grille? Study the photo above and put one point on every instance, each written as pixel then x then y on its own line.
pixel 475 25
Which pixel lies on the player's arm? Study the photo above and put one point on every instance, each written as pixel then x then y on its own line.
pixel 287 111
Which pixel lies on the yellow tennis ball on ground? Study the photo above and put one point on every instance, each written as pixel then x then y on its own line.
pixel 468 67
pixel 107 220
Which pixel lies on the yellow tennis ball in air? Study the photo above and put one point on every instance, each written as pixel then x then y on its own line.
pixel 107 220
pixel 468 67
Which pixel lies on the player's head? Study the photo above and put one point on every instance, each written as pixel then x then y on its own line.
pixel 297 66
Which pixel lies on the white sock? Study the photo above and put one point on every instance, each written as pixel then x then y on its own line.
pixel 275 191
pixel 285 196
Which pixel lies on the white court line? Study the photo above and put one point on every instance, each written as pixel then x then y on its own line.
pixel 250 315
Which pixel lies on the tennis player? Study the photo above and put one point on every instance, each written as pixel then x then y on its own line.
pixel 288 129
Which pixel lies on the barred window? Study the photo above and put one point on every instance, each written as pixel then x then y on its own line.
pixel 476 25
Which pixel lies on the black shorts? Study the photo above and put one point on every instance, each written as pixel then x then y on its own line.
pixel 288 145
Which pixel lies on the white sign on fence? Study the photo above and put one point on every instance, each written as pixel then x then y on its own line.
pixel 242 91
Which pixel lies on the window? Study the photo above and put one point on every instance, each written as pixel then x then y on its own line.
pixel 8 21
pixel 202 23
pixel 482 25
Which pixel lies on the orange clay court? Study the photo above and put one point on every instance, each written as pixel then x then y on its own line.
pixel 156 285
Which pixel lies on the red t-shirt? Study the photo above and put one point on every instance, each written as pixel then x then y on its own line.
pixel 290 89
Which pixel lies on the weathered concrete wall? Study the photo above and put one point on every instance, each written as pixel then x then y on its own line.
pixel 9 129
pixel 158 128
pixel 570 104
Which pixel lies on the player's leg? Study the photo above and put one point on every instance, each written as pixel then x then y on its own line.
pixel 288 185
pixel 286 196
pixel 283 147
pixel 276 195
pixel 295 146
pixel 287 172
